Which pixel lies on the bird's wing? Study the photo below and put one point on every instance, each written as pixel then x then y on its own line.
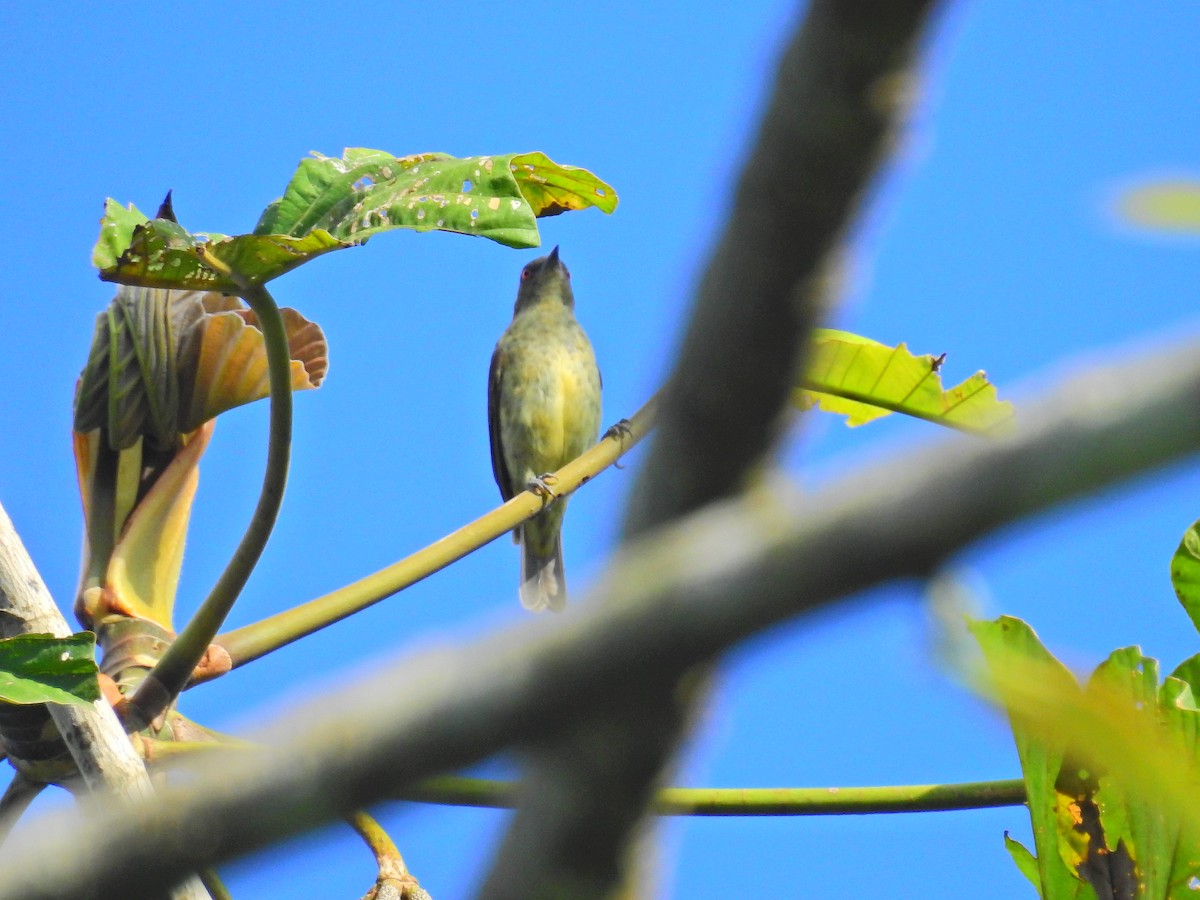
pixel 499 469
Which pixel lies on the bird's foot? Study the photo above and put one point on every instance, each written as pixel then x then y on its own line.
pixel 541 485
pixel 622 431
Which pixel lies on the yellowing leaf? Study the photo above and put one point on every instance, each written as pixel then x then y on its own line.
pixel 552 189
pixel 863 380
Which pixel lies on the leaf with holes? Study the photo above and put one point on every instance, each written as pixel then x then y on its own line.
pixel 163 254
pixel 366 192
pixel 863 380
pixel 40 668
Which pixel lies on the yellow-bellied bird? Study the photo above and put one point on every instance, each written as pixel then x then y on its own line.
pixel 543 411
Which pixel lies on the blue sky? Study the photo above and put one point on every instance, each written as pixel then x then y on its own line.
pixel 991 237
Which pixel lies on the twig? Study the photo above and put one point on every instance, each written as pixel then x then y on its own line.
pixel 833 801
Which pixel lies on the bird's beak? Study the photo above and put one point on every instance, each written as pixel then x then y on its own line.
pixel 553 258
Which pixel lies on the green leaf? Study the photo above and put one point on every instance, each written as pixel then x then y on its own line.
pixel 163 254
pixel 1025 861
pixel 1009 645
pixel 40 668
pixel 335 203
pixel 863 380
pixel 116 232
pixel 369 191
pixel 1164 206
pixel 1185 573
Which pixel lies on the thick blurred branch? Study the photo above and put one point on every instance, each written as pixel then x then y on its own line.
pixel 840 91
pixel 673 600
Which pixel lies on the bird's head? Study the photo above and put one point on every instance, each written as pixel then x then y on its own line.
pixel 545 280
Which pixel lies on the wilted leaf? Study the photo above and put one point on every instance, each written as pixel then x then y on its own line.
pixel 40 668
pixel 863 379
pixel 231 362
pixel 143 571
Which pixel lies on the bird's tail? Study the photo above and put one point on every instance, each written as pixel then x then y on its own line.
pixel 543 582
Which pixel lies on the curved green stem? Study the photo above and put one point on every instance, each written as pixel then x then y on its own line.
pixel 451 791
pixel 163 684
pixel 248 643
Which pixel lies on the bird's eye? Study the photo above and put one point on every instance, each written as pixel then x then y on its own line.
pixel 525 273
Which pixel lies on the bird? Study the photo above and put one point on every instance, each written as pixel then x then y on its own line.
pixel 543 411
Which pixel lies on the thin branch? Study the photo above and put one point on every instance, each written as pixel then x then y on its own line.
pixel 164 682
pixel 250 642
pixel 673 600
pixel 834 801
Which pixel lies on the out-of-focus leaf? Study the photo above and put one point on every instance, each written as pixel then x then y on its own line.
pixel 863 380
pixel 143 572
pixel 1006 644
pixel 1185 573
pixel 1164 206
pixel 40 668
pixel 1130 788
pixel 369 191
pixel 1025 861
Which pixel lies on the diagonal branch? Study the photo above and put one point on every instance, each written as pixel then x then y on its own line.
pixel 673 600
pixel 253 641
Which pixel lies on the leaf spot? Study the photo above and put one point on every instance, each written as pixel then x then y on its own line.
pixel 494 203
pixel 516 204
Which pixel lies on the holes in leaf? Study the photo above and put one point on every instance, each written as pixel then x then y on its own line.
pixel 467 186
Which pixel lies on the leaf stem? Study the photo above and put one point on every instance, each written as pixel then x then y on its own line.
pixel 163 684
pixel 252 641
pixel 453 791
